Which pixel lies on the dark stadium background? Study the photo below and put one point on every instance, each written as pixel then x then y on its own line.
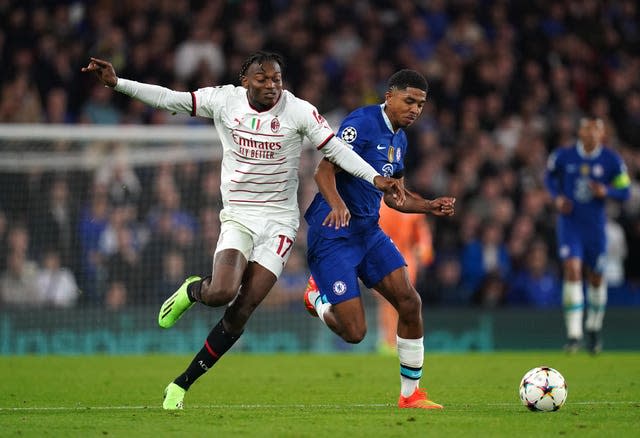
pixel 508 82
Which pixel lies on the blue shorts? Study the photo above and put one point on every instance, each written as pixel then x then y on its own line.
pixel 337 263
pixel 590 246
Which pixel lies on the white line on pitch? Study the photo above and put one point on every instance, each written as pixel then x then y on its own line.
pixel 271 406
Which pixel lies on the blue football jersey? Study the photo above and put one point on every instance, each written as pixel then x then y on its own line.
pixel 368 131
pixel 569 172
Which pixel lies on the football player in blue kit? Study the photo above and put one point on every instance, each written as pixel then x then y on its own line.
pixel 345 242
pixel 580 179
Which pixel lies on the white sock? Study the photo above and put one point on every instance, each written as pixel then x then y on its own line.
pixel 596 306
pixel 411 355
pixel 321 308
pixel 573 302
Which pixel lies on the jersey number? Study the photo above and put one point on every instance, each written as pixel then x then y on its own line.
pixel 284 246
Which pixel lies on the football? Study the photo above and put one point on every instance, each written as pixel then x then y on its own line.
pixel 543 389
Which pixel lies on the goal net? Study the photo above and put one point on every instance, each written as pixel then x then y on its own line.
pixel 99 224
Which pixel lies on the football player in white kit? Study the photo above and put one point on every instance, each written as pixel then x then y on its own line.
pixel 261 127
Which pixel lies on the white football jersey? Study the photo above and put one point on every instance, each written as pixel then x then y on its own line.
pixel 261 150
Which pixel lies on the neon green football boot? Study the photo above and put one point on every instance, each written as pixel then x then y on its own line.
pixel 178 303
pixel 173 397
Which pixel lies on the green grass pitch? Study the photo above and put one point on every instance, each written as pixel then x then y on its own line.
pixel 342 395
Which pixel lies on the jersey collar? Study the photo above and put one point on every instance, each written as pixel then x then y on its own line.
pixel 386 118
pixel 584 154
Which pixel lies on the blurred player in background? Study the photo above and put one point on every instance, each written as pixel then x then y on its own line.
pixel 345 242
pixel 580 179
pixel 261 127
pixel 412 235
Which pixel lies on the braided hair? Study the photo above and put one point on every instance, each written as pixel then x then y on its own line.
pixel 260 57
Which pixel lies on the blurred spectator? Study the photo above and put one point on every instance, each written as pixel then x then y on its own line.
pixel 56 107
pixel 169 201
pixel 123 271
pixel 508 82
pixel 209 192
pixel 485 256
pixel 54 220
pixel 20 102
pixel 99 108
pixel 3 240
pixel 170 276
pixel 19 281
pixel 56 283
pixel 535 283
pixel 492 292
pixel 119 179
pixel 92 223
pixel 616 254
pixel 444 285
pixel 200 51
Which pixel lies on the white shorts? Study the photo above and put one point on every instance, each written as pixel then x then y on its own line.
pixel 265 242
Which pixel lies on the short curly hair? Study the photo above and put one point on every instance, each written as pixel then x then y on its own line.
pixel 402 79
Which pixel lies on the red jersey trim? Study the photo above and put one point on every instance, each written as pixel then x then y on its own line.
pixel 258 133
pixel 193 104
pixel 325 142
pixel 249 201
pixel 260 173
pixel 259 182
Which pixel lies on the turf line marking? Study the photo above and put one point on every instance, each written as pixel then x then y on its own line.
pixel 257 406
pixel 289 406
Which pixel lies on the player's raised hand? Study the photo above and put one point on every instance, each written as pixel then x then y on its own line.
pixel 338 217
pixel 599 190
pixel 103 70
pixel 443 206
pixel 391 186
pixel 563 204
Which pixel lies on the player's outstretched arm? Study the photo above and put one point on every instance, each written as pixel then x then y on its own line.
pixel 325 177
pixel 443 206
pixel 153 95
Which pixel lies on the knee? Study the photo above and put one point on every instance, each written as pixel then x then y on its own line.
pixel 354 334
pixel 410 304
pixel 572 270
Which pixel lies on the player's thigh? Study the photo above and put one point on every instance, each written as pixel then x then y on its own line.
pixel 232 252
pixel 333 264
pixel 595 253
pixel 570 251
pixel 273 246
pixel 397 289
pixel 570 242
pixel 380 260
pixel 349 315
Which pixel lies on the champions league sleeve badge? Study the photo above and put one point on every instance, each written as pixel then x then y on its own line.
pixel 349 134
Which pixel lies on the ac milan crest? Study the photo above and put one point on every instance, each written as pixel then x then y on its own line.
pixel 275 125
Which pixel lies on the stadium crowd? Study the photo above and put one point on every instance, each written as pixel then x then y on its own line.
pixel 508 83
